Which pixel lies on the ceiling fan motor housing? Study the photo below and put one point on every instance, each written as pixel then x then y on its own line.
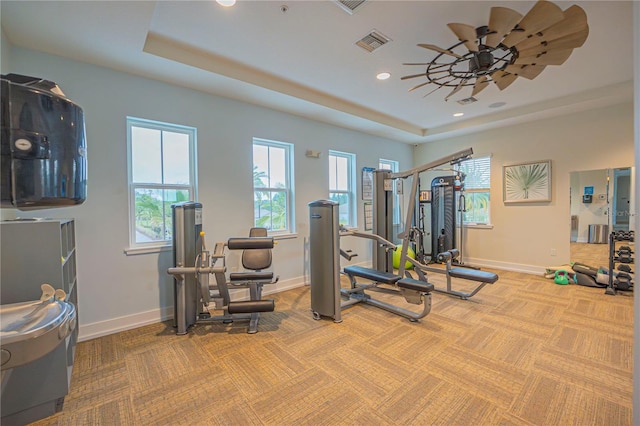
pixel 481 62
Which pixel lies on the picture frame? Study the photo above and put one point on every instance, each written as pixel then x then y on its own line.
pixel 528 182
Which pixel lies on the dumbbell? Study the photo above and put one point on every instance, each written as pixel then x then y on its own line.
pixel 625 268
pixel 624 258
pixel 623 281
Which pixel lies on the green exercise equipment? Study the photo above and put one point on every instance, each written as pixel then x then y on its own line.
pixel 561 277
pixel 396 257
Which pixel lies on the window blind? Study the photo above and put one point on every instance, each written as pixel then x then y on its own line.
pixel 478 173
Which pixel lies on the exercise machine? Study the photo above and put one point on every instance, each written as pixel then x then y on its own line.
pixel 448 257
pixel 440 216
pixel 194 296
pixel 327 297
pixel 446 199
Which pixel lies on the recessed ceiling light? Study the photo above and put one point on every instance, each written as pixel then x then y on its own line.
pixel 383 76
pixel 497 104
pixel 226 3
pixel 458 114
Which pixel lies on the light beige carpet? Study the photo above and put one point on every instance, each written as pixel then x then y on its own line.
pixel 524 351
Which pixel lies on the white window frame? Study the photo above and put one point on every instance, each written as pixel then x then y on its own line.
pixel 191 132
pixel 470 189
pixel 351 186
pixel 393 166
pixel 289 184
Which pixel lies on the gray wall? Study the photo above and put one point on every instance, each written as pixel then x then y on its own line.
pixel 118 291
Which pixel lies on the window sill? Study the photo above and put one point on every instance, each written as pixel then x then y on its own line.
pixel 133 251
pixel 478 226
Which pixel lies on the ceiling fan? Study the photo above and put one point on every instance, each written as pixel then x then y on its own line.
pixel 510 46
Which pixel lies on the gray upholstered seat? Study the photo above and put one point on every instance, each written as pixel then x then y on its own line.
pixel 255 261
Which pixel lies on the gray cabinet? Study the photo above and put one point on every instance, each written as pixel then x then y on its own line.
pixel 33 252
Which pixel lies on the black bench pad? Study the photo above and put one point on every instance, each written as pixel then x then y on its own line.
pixel 372 274
pixel 417 285
pixel 250 276
pixel 473 275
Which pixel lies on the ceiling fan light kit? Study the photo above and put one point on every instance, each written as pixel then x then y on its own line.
pixel 510 46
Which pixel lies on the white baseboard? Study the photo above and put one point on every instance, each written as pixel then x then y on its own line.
pixel 128 322
pixel 506 266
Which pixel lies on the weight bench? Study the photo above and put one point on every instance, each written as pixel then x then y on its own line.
pixel 414 291
pixel 482 277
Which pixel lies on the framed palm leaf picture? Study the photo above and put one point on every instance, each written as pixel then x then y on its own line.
pixel 527 182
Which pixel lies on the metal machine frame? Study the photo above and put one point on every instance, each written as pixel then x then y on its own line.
pixel 382 200
pixel 193 265
pixel 382 194
pixel 327 296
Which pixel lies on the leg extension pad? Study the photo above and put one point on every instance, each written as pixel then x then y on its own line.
pixel 251 306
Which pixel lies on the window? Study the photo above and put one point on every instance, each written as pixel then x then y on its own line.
pixel 477 186
pixel 342 186
pixel 392 166
pixel 161 173
pixel 273 186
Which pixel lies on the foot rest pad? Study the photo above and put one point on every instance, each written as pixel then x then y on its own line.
pixel 474 275
pixel 252 306
pixel 417 285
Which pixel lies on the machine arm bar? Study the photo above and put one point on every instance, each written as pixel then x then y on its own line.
pixel 177 271
pixel 347 232
pixel 453 158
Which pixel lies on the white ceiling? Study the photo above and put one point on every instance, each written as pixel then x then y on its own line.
pixel 305 61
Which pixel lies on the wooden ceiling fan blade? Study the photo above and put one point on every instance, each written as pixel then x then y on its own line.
pixel 570 41
pixel 437 88
pixel 440 49
pixel 501 22
pixel 554 57
pixel 575 21
pixel 457 89
pixel 406 77
pixel 526 71
pixel 542 15
pixel 503 79
pixel 419 86
pixel 466 34
pixel 481 83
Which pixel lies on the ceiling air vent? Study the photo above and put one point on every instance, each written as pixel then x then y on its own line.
pixel 372 41
pixel 349 6
pixel 467 101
